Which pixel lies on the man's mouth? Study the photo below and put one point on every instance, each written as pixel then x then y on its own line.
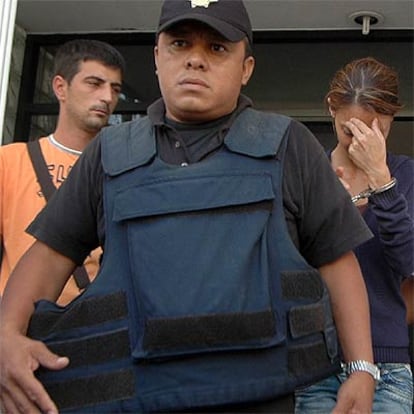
pixel 196 82
pixel 100 111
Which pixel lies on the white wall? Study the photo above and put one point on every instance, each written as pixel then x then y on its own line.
pixel 7 20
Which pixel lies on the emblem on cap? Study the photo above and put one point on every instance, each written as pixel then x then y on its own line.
pixel 201 3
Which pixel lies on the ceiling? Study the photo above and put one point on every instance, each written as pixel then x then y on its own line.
pixel 87 16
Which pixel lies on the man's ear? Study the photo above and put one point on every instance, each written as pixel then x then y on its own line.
pixel 248 67
pixel 156 58
pixel 59 85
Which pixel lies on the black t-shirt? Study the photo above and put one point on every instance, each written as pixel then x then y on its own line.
pixel 322 221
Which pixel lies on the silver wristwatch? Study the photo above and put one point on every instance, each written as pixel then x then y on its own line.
pixel 360 365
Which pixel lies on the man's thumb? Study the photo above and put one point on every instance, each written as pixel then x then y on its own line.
pixel 49 360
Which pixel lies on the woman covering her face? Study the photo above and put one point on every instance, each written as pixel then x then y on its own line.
pixel 362 100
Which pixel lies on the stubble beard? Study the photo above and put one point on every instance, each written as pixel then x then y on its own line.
pixel 95 124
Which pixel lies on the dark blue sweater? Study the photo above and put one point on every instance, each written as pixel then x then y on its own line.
pixel 387 258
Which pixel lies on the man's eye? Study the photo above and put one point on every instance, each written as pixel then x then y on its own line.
pixel 179 43
pixel 218 47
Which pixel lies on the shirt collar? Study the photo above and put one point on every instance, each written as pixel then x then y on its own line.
pixel 156 111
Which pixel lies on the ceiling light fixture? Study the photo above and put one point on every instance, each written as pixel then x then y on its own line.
pixel 366 19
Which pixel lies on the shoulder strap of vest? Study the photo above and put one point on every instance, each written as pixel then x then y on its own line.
pixel 256 133
pixel 127 145
pixel 48 188
pixel 132 144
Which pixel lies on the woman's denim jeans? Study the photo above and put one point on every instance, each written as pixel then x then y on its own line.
pixel 393 393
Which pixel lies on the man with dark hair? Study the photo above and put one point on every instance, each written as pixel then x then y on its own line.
pixel 227 238
pixel 87 81
pixel 70 55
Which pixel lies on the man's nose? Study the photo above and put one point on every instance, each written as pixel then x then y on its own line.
pixel 107 93
pixel 196 59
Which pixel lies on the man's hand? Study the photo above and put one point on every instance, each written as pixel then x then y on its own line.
pixel 356 394
pixel 20 391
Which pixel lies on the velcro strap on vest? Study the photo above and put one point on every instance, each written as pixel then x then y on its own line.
pixel 93 350
pixel 307 360
pixel 306 284
pixel 210 330
pixel 307 319
pixel 84 313
pixel 101 388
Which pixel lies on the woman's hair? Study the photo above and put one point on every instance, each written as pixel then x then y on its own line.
pixel 71 54
pixel 365 82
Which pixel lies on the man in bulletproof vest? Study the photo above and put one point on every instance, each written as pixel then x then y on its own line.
pixel 227 241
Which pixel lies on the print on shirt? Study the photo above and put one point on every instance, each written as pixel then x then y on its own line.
pixel 59 173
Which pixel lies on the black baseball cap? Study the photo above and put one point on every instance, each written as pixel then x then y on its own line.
pixel 228 17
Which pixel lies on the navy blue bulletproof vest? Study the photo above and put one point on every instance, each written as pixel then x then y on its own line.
pixel 202 299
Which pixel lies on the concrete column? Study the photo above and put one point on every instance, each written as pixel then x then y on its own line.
pixel 7 21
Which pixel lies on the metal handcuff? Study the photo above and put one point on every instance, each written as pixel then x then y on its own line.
pixel 369 191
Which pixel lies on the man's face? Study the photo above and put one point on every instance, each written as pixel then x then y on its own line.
pixel 90 98
pixel 200 73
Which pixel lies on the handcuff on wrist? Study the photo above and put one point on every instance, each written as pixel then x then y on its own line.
pixel 361 365
pixel 369 191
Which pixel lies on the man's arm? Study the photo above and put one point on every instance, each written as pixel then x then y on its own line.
pixel 351 313
pixel 40 274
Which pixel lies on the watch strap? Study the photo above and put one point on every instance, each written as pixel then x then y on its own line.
pixel 361 365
